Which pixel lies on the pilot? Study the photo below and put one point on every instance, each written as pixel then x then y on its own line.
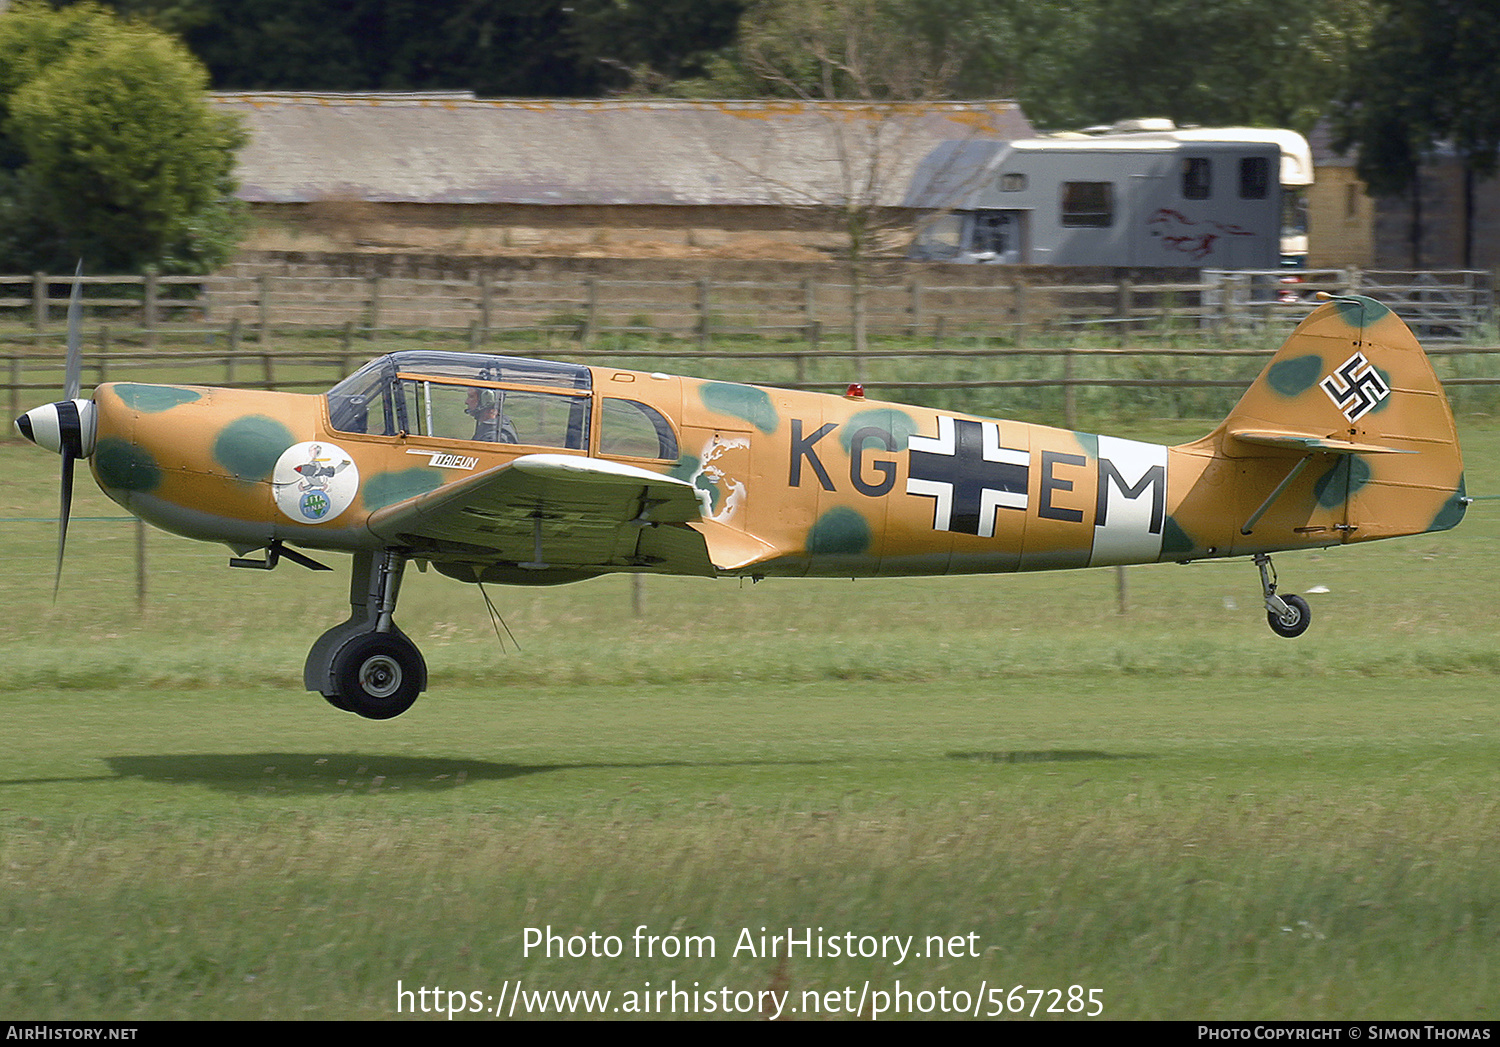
pixel 490 424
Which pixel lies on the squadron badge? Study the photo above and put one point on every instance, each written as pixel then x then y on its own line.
pixel 314 482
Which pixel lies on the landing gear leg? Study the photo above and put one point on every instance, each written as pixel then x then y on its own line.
pixel 1288 615
pixel 367 665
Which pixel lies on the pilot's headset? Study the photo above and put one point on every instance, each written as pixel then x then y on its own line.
pixel 485 400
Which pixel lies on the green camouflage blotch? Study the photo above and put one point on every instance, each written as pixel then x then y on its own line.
pixel 1090 444
pixel 839 530
pixel 1349 474
pixel 125 467
pixel 386 489
pixel 1452 511
pixel 1174 539
pixel 898 423
pixel 1359 311
pixel 249 447
pixel 1295 377
pixel 685 469
pixel 1381 405
pixel 742 401
pixel 154 398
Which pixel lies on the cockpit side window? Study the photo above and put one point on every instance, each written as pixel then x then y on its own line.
pixel 466 396
pixel 484 413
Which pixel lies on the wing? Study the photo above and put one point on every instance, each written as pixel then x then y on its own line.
pixel 567 514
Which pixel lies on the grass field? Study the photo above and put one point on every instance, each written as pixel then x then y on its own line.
pixel 1169 808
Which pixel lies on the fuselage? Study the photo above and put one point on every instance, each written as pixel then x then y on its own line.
pixel 825 484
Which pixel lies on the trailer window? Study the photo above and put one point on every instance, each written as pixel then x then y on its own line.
pixel 1255 178
pixel 1197 177
pixel 1089 205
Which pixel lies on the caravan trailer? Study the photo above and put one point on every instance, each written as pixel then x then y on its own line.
pixel 1225 198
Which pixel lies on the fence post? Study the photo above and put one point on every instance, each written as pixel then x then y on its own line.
pixel 140 564
pixel 103 354
pixel 486 302
pixel 1124 299
pixel 705 322
pixel 148 308
pixel 916 308
pixel 235 334
pixel 1021 295
pixel 39 302
pixel 374 312
pixel 263 309
pixel 1070 391
pixel 809 310
pixel 591 315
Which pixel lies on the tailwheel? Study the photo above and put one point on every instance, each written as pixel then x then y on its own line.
pixel 378 675
pixel 1288 615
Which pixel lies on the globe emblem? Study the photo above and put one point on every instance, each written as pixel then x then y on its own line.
pixel 314 505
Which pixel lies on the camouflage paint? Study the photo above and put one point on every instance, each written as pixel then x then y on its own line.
pixel 1295 377
pixel 389 488
pixel 248 447
pixel 746 402
pixel 839 531
pixel 151 399
pixel 123 466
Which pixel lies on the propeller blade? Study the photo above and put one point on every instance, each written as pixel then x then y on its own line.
pixel 64 510
pixel 75 336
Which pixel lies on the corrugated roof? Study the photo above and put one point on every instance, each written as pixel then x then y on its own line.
pixel 451 148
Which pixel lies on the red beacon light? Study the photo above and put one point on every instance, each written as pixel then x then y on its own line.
pixel 856 391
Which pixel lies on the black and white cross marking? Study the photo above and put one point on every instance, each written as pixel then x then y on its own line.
pixel 1355 387
pixel 968 474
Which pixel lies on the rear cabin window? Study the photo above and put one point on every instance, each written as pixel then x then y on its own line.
pixel 1088 205
pixel 628 429
pixel 1197 178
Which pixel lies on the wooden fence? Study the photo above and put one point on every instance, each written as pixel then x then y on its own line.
pixel 1450 306
pixel 1156 373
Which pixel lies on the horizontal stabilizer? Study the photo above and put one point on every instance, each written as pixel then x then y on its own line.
pixel 1309 442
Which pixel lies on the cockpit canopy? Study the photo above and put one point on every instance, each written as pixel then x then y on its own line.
pixel 493 399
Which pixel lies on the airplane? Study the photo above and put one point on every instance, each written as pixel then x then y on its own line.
pixel 490 468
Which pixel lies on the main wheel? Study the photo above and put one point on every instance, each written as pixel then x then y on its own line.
pixel 379 675
pixel 1296 619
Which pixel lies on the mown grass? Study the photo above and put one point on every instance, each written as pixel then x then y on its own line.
pixel 1170 805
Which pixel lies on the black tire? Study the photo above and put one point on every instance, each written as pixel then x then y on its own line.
pixel 1295 621
pixel 378 675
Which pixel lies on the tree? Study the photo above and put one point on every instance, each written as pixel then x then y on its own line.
pixel 1428 78
pixel 1074 63
pixel 826 52
pixel 115 154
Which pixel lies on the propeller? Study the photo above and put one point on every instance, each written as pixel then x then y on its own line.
pixel 68 426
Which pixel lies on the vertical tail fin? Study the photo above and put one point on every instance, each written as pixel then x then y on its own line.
pixel 1345 436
